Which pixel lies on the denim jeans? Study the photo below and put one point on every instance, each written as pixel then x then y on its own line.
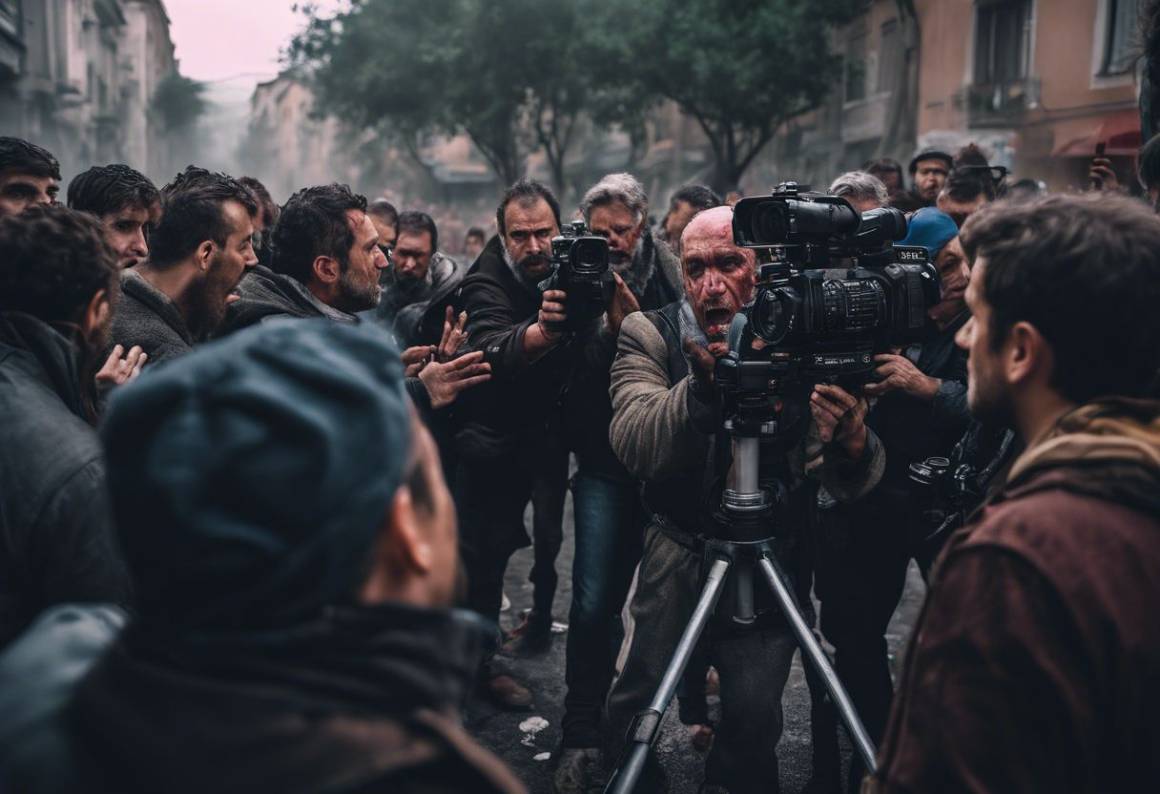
pixel 610 522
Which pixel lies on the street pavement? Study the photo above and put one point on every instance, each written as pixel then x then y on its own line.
pixel 526 740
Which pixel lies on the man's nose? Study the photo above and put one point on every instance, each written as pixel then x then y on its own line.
pixel 714 284
pixel 140 245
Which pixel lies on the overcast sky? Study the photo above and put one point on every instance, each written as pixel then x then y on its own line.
pixel 217 39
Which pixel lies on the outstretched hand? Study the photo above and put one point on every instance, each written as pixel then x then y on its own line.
pixel 454 335
pixel 446 379
pixel 120 367
pixel 841 418
pixel 415 358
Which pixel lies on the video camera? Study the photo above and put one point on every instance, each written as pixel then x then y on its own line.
pixel 580 269
pixel 838 292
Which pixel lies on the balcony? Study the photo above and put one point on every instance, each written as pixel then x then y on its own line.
pixel 999 104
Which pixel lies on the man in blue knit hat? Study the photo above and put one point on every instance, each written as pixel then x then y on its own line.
pixel 919 411
pixel 292 544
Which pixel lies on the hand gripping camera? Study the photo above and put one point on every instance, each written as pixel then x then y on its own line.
pixel 580 268
pixel 838 292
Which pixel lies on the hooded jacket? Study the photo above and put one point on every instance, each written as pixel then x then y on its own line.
pixel 56 538
pixel 414 311
pixel 264 294
pixel 146 317
pixel 1035 665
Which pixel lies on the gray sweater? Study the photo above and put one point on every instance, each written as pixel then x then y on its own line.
pixel 145 316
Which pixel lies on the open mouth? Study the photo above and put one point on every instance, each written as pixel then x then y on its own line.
pixel 715 317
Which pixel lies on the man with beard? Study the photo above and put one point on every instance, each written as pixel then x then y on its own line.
pixel 1033 666
pixel 418 282
pixel 386 220
pixel 865 547
pixel 326 264
pixel 666 414
pixel 125 202
pixel 57 279
pixel 504 427
pixel 609 518
pixel 199 251
pixel 928 171
pixel 292 542
pixel 29 175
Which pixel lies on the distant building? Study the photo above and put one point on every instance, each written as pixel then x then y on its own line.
pixel 77 76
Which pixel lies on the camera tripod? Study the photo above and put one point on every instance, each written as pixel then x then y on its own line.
pixel 746 555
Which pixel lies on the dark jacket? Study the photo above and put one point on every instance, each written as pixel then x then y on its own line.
pixel 414 312
pixel 514 407
pixel 362 700
pixel 655 280
pixel 1035 664
pixel 265 294
pixel 56 535
pixel 146 317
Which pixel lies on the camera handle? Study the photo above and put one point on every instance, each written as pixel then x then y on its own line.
pixel 745 505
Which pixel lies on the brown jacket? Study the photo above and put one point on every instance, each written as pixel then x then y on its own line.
pixel 1035 665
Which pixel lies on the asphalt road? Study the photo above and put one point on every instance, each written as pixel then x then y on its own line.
pixel 528 749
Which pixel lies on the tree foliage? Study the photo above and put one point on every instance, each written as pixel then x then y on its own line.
pixel 178 101
pixel 517 75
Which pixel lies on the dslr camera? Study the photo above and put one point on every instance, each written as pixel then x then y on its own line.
pixel 837 292
pixel 580 268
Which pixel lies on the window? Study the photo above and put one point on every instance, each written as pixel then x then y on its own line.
pixel 856 66
pixel 1002 41
pixel 890 56
pixel 1121 41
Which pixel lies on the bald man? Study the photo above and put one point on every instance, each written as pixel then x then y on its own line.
pixel 666 412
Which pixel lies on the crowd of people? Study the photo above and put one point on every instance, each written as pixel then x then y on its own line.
pixel 263 469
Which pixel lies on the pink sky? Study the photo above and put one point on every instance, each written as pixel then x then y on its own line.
pixel 216 39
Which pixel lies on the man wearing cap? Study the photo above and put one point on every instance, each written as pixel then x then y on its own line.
pixel 928 173
pixel 293 547
pixel 865 546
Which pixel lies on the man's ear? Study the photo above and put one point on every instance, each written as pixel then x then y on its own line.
pixel 96 313
pixel 326 269
pixel 205 254
pixel 401 554
pixel 1026 354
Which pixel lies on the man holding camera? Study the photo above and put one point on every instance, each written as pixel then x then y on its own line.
pixel 1034 664
pixel 608 513
pixel 864 549
pixel 666 423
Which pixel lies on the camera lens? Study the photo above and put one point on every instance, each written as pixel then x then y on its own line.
pixel 773 313
pixel 589 257
pixel 770 222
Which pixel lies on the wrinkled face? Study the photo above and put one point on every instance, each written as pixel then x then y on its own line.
pixel 719 276
pixel 358 285
pixel 678 218
pixel 953 274
pixel 20 191
pixel 227 265
pixel 617 224
pixel 413 255
pixel 125 232
pixel 472 248
pixel 528 232
pixel 987 394
pixel 929 178
pixel 960 210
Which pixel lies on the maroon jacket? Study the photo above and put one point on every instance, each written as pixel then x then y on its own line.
pixel 1035 665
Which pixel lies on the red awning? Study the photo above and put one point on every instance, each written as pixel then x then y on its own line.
pixel 1120 132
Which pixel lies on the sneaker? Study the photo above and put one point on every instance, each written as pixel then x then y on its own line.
pixel 577 770
pixel 532 637
pixel 506 693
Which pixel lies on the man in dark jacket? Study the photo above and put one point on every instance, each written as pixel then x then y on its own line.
pixel 609 518
pixel 126 203
pixel 502 426
pixel 29 175
pixel 326 264
pixel 56 544
pixel 1033 666
pixel 198 253
pixel 418 284
pixel 293 634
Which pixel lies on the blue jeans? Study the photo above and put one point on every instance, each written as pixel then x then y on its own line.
pixel 610 522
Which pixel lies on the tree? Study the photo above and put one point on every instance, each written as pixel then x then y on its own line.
pixel 740 68
pixel 178 102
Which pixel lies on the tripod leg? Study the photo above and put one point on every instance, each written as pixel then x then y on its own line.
pixel 645 725
pixel 810 646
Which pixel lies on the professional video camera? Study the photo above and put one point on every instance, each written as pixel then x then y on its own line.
pixel 838 292
pixel 580 268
